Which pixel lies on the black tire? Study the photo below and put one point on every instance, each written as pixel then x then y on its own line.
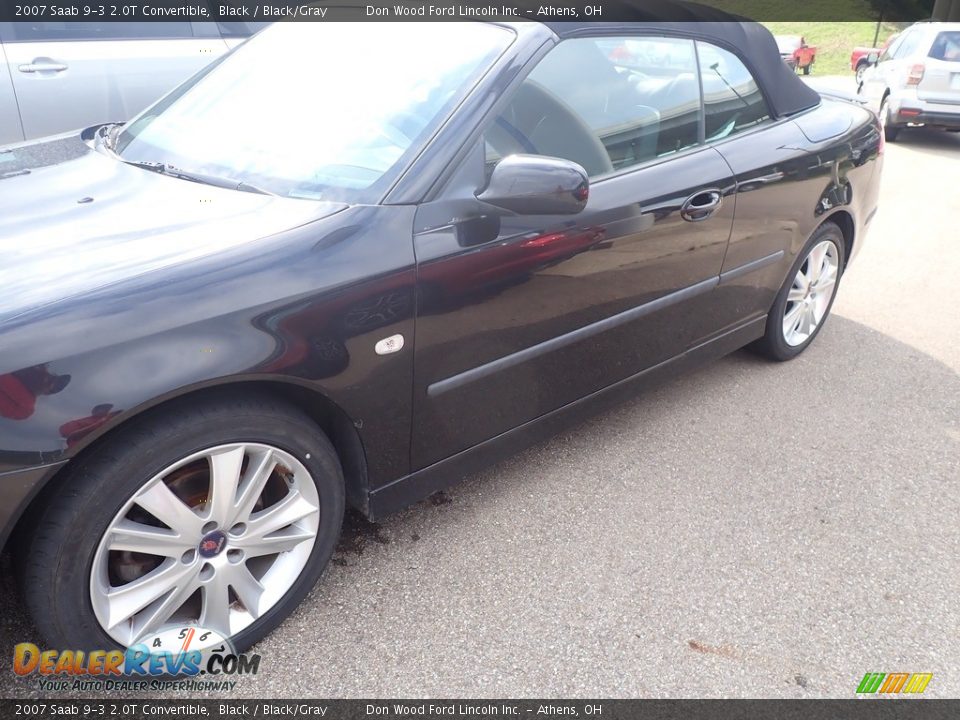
pixel 861 69
pixel 890 131
pixel 773 345
pixel 56 557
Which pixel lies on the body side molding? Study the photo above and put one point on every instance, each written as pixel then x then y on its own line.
pixel 424 482
pixel 752 266
pixel 495 366
pixel 502 363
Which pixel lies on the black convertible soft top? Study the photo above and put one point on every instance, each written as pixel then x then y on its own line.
pixel 786 93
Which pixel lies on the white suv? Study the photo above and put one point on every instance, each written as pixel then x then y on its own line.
pixel 61 76
pixel 916 80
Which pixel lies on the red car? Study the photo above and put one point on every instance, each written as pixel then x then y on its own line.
pixel 859 57
pixel 796 53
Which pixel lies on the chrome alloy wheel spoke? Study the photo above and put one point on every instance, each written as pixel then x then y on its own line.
pixel 808 298
pixel 215 539
pixel 148 598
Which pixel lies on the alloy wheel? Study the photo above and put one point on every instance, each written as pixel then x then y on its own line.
pixel 810 294
pixel 216 539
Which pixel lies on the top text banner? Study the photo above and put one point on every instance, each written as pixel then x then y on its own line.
pixel 443 10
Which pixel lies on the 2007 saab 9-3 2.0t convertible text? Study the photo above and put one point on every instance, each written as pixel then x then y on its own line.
pixel 307 279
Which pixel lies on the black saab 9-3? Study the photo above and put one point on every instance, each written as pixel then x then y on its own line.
pixel 313 278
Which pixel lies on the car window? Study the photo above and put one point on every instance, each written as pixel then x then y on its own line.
pixel 269 116
pixel 909 45
pixel 732 100
pixel 47 31
pixel 946 46
pixel 607 104
pixel 892 48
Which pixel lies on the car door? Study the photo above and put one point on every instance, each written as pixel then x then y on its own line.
pixel 787 175
pixel 875 77
pixel 10 129
pixel 69 75
pixel 771 167
pixel 893 66
pixel 518 316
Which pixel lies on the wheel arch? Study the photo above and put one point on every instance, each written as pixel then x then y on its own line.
pixel 332 419
pixel 844 220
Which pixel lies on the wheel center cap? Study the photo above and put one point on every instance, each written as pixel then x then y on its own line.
pixel 212 544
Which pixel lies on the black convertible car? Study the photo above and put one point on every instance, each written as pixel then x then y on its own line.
pixel 308 279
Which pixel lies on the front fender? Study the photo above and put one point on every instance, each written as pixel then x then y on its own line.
pixel 306 309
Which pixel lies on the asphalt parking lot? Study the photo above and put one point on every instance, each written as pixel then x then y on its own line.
pixel 752 529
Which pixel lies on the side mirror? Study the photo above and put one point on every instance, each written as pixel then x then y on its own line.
pixel 873 58
pixel 537 185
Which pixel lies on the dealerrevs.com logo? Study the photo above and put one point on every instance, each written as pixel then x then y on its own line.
pixel 172 659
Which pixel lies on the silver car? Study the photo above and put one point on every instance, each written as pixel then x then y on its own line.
pixel 916 80
pixel 61 76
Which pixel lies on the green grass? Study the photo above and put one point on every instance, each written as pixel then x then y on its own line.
pixel 834 41
pixel 826 10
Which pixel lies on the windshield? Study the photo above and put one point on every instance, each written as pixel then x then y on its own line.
pixel 314 110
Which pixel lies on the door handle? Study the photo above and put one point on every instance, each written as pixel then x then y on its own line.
pixel 701 206
pixel 43 65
